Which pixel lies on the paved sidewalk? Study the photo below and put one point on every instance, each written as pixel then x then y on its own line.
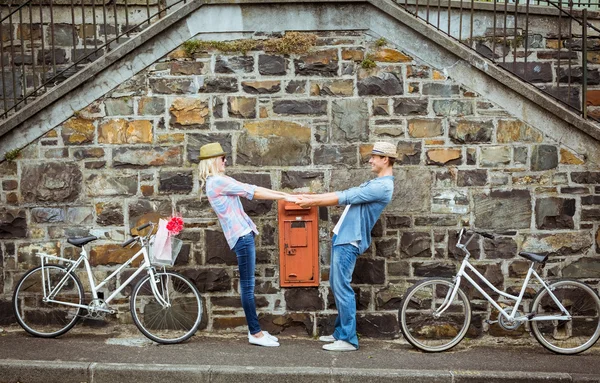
pixel 77 357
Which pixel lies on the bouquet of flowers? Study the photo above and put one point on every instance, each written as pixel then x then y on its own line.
pixel 175 225
pixel 165 247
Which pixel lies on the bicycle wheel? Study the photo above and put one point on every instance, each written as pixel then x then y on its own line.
pixel 422 327
pixel 47 319
pixel 567 336
pixel 172 323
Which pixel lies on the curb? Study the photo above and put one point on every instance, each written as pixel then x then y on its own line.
pixel 38 371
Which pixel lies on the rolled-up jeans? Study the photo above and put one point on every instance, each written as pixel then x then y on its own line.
pixel 343 260
pixel 246 255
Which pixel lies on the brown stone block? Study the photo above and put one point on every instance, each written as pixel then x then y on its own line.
pixel 120 131
pixel 113 254
pixel 241 107
pixel 186 68
pixel 51 134
pixel 229 323
pixel 263 112
pixel 417 71
pixel 568 157
pixel 437 75
pixel 303 299
pixel 261 87
pixel 333 88
pixel 353 54
pixel 391 55
pixel 171 138
pixel 290 324
pixel 188 112
pixel 421 128
pixel 444 156
pixel 468 131
pixel 433 142
pixel 147 190
pixel 51 182
pixel 593 97
pixel 77 131
pixel 517 131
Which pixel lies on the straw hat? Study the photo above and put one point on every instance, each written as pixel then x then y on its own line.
pixel 211 150
pixel 384 149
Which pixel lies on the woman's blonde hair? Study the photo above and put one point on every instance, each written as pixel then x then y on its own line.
pixel 207 168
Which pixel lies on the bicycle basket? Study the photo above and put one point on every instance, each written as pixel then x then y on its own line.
pixel 165 257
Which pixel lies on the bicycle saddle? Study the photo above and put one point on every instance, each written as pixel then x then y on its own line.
pixel 79 242
pixel 534 257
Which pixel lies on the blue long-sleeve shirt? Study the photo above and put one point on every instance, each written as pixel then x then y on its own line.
pixel 367 202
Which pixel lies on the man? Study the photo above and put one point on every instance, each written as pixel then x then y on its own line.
pixel 352 236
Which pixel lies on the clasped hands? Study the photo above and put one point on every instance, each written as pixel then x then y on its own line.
pixel 302 200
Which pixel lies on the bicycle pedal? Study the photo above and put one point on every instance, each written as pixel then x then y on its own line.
pixel 490 321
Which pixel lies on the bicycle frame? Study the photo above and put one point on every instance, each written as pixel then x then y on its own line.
pixel 49 296
pixel 518 299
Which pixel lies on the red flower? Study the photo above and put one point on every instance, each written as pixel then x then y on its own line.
pixel 175 225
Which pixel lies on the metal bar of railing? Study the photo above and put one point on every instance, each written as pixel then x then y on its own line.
pixel 439 11
pixel 23 76
pixel 584 65
pixel 104 18
pixel 126 17
pixel 32 38
pixel 449 15
pixel 494 33
pixel 558 52
pixel 417 7
pixel 526 40
pixel 94 25
pixel 115 14
pixel 148 10
pixel 73 32
pixel 427 12
pixel 471 25
pixel 515 25
pixel 504 34
pixel 53 49
pixel 43 51
pixel 4 98
pixel 12 58
pixel 460 22
pixel 83 28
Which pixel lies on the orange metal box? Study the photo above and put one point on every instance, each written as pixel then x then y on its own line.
pixel 298 245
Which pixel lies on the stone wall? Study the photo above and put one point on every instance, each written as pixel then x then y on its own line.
pixel 303 123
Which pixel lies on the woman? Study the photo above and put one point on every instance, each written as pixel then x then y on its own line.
pixel 224 194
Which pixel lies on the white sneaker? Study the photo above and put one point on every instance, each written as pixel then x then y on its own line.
pixel 264 341
pixel 267 335
pixel 271 336
pixel 327 338
pixel 339 345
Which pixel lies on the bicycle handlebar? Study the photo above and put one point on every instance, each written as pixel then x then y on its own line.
pixel 482 233
pixel 129 241
pixel 135 238
pixel 143 227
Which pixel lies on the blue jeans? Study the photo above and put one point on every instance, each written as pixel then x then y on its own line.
pixel 246 256
pixel 343 260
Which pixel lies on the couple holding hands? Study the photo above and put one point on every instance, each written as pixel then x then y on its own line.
pixel 351 235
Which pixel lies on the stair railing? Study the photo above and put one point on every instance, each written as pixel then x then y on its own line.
pixel 42 44
pixel 553 58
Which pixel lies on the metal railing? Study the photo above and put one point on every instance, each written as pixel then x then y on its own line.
pixel 42 43
pixel 558 58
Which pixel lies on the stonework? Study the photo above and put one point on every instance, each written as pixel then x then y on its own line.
pixel 305 123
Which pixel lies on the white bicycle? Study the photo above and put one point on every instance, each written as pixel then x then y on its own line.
pixel 165 306
pixel 564 315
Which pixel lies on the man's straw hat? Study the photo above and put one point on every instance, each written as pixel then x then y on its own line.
pixel 384 149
